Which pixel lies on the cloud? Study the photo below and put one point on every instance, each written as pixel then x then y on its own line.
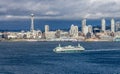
pixel 59 9
pixel 52 13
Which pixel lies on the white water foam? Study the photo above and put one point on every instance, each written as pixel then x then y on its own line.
pixel 100 50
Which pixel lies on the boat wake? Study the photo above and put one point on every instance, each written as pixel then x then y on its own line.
pixel 100 50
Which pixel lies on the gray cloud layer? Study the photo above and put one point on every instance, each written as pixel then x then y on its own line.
pixel 59 9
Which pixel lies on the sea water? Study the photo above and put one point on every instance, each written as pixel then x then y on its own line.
pixel 39 58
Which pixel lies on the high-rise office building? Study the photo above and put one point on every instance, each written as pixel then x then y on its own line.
pixel 85 30
pixel 46 28
pixel 117 27
pixel 103 25
pixel 74 31
pixel 32 22
pixel 49 34
pixel 83 25
pixel 90 30
pixel 112 25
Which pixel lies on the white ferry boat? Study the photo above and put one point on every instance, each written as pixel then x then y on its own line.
pixel 69 49
pixel 116 38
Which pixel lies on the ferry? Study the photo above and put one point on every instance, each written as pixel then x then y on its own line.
pixel 68 49
pixel 116 38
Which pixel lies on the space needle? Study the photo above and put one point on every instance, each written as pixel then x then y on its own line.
pixel 32 23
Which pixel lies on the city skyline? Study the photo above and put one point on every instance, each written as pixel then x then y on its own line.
pixel 54 24
pixel 63 9
pixel 87 32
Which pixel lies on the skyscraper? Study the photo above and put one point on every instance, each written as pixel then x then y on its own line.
pixel 103 25
pixel 74 31
pixel 112 25
pixel 46 28
pixel 32 22
pixel 117 27
pixel 90 30
pixel 83 25
pixel 85 30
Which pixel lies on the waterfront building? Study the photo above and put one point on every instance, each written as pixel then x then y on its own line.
pixel 58 33
pixel 50 35
pixel 64 34
pixel 103 24
pixel 89 32
pixel 61 34
pixel 29 35
pixel 36 35
pixel 83 25
pixel 112 25
pixel 108 32
pixel 106 38
pixel 20 35
pixel 11 35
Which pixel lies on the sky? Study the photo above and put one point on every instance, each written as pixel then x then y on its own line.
pixel 59 9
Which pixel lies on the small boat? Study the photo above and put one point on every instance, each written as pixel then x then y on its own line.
pixel 68 49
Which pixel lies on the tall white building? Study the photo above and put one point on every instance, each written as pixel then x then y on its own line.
pixel 103 25
pixel 90 29
pixel 83 25
pixel 74 31
pixel 112 25
pixel 85 30
pixel 117 27
pixel 49 34
pixel 32 22
pixel 46 28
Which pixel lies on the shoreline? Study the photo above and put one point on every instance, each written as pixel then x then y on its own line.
pixel 43 40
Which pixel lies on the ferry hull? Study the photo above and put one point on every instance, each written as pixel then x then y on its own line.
pixel 69 51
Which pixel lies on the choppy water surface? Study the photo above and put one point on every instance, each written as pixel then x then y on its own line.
pixel 38 58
